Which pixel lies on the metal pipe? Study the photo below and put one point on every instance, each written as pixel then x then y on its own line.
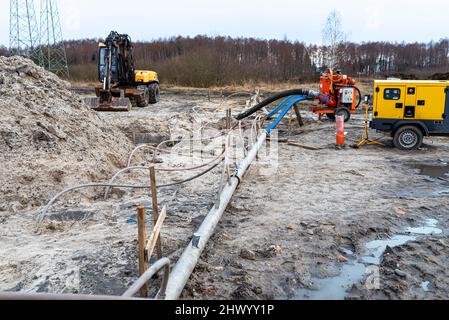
pixel 187 262
pixel 155 268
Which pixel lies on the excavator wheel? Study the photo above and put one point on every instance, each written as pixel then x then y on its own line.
pixel 154 92
pixel 143 100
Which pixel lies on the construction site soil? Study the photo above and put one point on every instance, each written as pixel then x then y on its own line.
pixel 315 223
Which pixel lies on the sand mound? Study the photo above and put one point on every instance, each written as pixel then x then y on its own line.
pixel 49 138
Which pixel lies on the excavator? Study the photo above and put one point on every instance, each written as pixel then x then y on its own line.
pixel 122 86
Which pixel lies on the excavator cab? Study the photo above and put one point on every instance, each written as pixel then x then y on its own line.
pixel 102 70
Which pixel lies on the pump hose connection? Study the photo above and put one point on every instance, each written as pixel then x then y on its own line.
pixel 309 94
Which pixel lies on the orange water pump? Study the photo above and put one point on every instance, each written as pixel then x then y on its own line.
pixel 339 95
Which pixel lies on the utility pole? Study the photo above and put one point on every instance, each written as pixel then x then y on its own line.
pixel 54 56
pixel 43 45
pixel 23 30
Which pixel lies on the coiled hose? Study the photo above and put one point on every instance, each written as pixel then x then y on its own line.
pixel 310 94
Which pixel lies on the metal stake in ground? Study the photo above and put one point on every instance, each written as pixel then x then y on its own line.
pixel 142 237
pixel 155 207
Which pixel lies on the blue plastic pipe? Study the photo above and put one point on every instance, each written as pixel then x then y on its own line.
pixel 290 104
pixel 280 106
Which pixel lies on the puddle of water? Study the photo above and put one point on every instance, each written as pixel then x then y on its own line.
pixel 335 288
pixel 378 247
pixel 434 171
pixel 429 229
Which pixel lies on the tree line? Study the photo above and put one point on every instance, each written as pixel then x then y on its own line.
pixel 215 61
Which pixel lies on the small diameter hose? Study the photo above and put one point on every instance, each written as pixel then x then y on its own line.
pixel 42 215
pixel 158 148
pixel 220 157
pixel 359 94
pixel 310 94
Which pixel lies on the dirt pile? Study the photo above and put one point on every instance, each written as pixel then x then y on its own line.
pixel 49 138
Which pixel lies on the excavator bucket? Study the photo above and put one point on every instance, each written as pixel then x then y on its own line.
pixel 117 105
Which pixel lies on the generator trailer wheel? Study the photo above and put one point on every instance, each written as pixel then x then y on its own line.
pixel 408 138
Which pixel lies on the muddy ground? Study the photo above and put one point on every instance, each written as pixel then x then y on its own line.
pixel 285 234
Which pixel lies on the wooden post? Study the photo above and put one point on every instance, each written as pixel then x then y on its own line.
pixel 155 207
pixel 156 232
pixel 257 134
pixel 142 238
pixel 298 115
pixel 228 119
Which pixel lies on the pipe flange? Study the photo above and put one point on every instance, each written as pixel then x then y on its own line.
pixel 235 174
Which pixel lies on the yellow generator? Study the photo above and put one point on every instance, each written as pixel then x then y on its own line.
pixel 411 110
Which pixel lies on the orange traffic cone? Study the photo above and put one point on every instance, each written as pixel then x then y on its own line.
pixel 340 130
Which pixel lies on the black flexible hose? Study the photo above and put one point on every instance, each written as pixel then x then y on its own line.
pixel 311 94
pixel 359 94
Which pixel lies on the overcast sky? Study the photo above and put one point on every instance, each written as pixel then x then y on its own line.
pixel 388 20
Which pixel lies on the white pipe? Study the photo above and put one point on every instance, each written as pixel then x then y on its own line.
pixel 187 262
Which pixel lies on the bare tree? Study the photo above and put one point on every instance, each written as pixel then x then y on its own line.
pixel 333 38
pixel 215 61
